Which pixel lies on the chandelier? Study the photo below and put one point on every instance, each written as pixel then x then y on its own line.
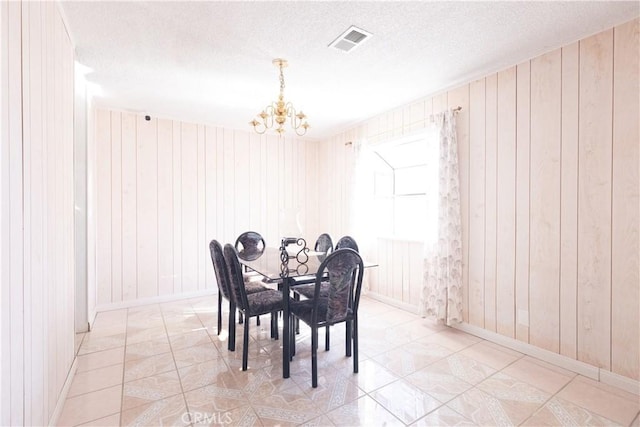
pixel 277 113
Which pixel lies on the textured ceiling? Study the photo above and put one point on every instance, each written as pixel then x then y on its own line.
pixel 210 62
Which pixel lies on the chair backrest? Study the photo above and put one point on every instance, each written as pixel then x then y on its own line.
pixel 220 268
pixel 347 242
pixel 249 244
pixel 344 269
pixel 236 281
pixel 323 244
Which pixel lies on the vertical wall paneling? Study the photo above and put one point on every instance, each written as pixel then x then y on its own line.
pixel 210 197
pixel 272 151
pixel 416 280
pixel 228 150
pixel 116 208
pixel 594 200
pixel 176 206
pixel 164 231
pixel 569 202
pixel 29 140
pixel 309 195
pixel 253 166
pixel 491 148
pixel 241 180
pixel 506 203
pixel 289 169
pixel 32 87
pixel 103 212
pixel 405 285
pixel 11 384
pixel 625 246
pixel 189 206
pixel 147 206
pixel 202 244
pixel 523 129
pixel 298 152
pixel 129 207
pixel 396 278
pixel 36 186
pixel 49 221
pixel 178 185
pixel 264 183
pixel 477 150
pixel 544 267
pixel 4 212
pixel 220 170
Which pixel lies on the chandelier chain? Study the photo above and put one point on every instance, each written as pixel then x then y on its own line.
pixel 281 80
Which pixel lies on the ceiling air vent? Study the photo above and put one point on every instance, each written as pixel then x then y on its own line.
pixel 350 39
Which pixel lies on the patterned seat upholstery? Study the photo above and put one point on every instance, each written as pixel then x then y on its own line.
pixel 251 305
pixel 344 269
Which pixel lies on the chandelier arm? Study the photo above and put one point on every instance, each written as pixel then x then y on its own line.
pixel 268 121
pixel 257 126
pixel 264 129
pixel 295 121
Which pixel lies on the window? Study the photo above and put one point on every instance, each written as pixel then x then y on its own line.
pixel 406 186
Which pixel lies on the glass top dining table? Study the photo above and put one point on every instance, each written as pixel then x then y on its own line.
pixel 268 263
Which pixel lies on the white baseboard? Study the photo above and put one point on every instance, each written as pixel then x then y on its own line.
pixel 622 382
pixel 584 369
pixel 154 300
pixel 55 417
pixel 393 302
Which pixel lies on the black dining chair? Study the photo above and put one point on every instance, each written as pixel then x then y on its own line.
pixel 344 270
pixel 224 290
pixel 323 244
pixel 347 242
pixel 250 244
pixel 251 305
pixel 308 291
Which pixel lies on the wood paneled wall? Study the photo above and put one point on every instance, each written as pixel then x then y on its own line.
pixel 165 188
pixel 549 159
pixel 37 262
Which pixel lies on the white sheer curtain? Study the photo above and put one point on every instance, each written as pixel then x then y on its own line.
pixel 442 280
pixel 361 221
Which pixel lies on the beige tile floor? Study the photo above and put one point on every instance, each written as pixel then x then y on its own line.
pixel 164 365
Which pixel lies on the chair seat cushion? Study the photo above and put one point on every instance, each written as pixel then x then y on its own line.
pixel 253 287
pixel 308 291
pixel 303 310
pixel 263 302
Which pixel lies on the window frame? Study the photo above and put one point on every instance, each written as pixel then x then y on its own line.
pixel 426 136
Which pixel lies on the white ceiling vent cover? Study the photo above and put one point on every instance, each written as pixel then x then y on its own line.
pixel 350 39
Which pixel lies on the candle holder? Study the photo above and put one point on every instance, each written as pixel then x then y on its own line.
pixel 301 256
